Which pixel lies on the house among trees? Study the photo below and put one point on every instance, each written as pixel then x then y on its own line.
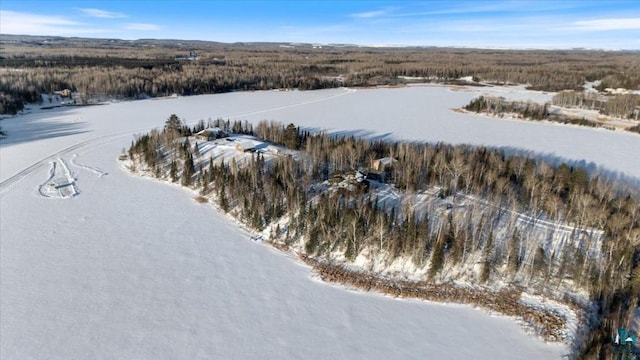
pixel 381 169
pixel 383 164
pixel 211 134
pixel 246 146
pixel 64 93
pixel 193 56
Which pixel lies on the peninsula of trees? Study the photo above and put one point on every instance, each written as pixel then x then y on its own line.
pixel 417 220
pixel 612 112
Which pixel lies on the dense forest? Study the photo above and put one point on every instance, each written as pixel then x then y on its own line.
pixel 463 213
pixel 100 69
pixel 620 106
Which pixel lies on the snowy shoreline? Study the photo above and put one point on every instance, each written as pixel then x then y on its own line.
pixel 548 319
pixel 98 271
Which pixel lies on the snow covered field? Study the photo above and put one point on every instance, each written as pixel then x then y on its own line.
pixel 97 263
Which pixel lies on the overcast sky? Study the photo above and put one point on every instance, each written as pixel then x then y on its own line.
pixel 506 24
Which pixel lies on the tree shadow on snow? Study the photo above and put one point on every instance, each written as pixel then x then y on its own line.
pixel 357 133
pixel 23 129
pixel 592 168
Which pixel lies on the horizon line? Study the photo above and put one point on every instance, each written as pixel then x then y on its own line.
pixel 378 46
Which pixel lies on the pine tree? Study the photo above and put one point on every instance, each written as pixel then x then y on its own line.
pixel 196 150
pixel 312 243
pixel 173 123
pixel 539 261
pixel 205 183
pixel 291 137
pixel 437 257
pixel 188 171
pixel 513 256
pixel 222 198
pixel 485 272
pixel 173 171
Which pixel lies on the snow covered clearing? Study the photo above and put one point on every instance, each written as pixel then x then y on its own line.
pixel 551 235
pixel 133 268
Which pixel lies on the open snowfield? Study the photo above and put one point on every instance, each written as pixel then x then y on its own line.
pixel 97 263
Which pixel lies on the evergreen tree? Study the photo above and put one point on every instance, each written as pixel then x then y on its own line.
pixel 173 171
pixel 222 198
pixel 513 256
pixel 485 272
pixel 173 123
pixel 437 258
pixel 291 137
pixel 196 150
pixel 188 171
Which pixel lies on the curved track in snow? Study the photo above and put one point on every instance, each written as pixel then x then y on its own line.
pixel 8 184
pixel 61 184
pixel 94 170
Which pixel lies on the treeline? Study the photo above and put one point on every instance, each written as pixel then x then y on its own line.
pixel 621 106
pixel 99 68
pixel 181 79
pixel 10 104
pixel 615 80
pixel 494 105
pixel 349 220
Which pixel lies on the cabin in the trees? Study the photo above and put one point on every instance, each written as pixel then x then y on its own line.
pixel 383 164
pixel 246 146
pixel 64 93
pixel 381 169
pixel 211 134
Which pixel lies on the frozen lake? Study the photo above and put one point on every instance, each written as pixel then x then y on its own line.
pixel 417 113
pixel 134 268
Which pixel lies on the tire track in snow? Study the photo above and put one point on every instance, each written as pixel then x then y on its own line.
pixel 347 91
pixel 8 184
pixel 68 189
pixel 93 170
pixel 52 173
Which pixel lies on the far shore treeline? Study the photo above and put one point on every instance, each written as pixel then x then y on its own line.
pixel 100 69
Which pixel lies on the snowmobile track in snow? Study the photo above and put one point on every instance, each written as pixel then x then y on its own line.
pixel 9 183
pixel 61 184
pixel 93 170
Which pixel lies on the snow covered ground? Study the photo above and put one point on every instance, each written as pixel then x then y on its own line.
pixel 97 263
